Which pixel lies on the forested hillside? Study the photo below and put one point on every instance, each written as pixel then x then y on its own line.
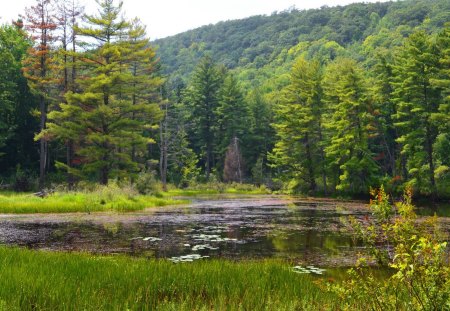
pixel 324 97
pixel 328 101
pixel 325 33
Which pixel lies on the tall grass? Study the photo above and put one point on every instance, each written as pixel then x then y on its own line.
pixel 100 199
pixel 36 280
pixel 213 188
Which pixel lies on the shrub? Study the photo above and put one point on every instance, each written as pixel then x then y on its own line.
pixel 413 249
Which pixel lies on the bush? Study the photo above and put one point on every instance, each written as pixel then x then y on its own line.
pixel 23 181
pixel 147 183
pixel 413 249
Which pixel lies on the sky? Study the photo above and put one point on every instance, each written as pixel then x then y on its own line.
pixel 168 17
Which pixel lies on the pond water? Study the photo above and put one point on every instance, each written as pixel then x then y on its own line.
pixel 307 231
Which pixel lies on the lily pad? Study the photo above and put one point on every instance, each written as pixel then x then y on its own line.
pixel 152 239
pixel 308 270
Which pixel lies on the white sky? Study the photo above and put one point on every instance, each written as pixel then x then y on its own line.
pixel 168 17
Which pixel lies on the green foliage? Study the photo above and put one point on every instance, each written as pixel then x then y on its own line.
pixel 147 183
pixel 417 99
pixel 258 41
pixel 43 280
pixel 202 100
pixel 299 126
pixel 348 122
pixel 414 251
pixel 17 125
pixel 232 115
pixel 96 199
pixel 110 117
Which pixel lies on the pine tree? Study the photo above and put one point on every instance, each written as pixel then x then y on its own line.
pixel 348 125
pixel 145 83
pixel 232 115
pixel 261 136
pixel 299 127
pixel 417 99
pixel 38 67
pixel 202 100
pixel 67 16
pixel 104 118
pixel 385 145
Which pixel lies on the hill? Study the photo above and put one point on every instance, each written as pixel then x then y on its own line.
pixel 258 41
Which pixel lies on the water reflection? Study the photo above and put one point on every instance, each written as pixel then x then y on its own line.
pixel 308 232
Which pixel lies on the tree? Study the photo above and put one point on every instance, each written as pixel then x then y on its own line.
pixel 17 125
pixel 261 136
pixel 441 118
pixel 417 99
pixel 233 170
pixel 232 115
pixel 202 99
pixel 299 127
pixel 384 146
pixel 104 118
pixel 38 67
pixel 8 86
pixel 67 17
pixel 348 125
pixel 145 83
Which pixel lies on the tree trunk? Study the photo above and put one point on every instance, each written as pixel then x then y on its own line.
pixel 312 180
pixel 429 147
pixel 43 145
pixel 70 152
pixel 322 155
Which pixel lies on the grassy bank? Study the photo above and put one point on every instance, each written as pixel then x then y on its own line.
pixel 35 280
pixel 215 188
pixel 100 200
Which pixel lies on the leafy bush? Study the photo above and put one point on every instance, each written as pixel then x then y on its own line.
pixel 147 183
pixel 412 248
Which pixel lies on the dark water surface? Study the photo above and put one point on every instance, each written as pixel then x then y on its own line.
pixel 307 231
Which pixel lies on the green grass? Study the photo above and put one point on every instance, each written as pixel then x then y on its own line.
pixel 114 198
pixel 105 199
pixel 216 188
pixel 37 280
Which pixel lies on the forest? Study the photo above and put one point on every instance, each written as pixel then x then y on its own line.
pixel 331 101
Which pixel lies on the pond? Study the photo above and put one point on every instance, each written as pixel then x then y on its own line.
pixel 302 230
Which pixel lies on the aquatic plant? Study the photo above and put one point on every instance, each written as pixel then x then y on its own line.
pixel 308 270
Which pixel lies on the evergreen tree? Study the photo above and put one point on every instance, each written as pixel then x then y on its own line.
pixel 102 119
pixel 261 136
pixel 202 100
pixel 385 145
pixel 39 67
pixel 144 85
pixel 417 99
pixel 299 126
pixel 348 124
pixel 67 16
pixel 17 125
pixel 232 116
